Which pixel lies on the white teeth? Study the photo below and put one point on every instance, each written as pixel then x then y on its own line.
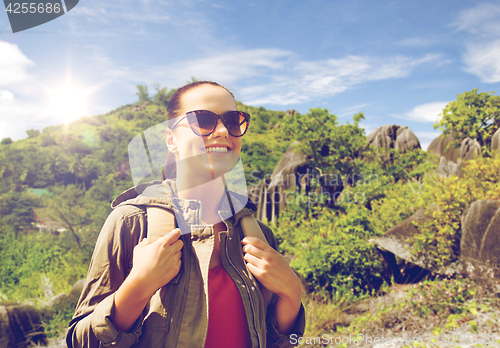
pixel 217 149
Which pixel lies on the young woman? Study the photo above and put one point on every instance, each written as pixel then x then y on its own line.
pixel 193 287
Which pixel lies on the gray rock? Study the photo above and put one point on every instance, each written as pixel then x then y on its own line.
pixel 291 112
pixel 398 241
pixel 495 141
pixel 269 195
pixel 5 333
pixel 395 137
pixel 479 247
pixel 447 168
pixel 439 147
pixel 469 149
pixel 55 302
pixel 77 289
pixel 25 326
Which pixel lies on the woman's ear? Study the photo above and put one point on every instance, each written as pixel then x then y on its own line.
pixel 171 141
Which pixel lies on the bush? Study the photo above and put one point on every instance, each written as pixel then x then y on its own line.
pixel 47 140
pixel 440 236
pixel 329 248
pixel 128 116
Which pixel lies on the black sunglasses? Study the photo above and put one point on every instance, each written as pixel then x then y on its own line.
pixel 204 122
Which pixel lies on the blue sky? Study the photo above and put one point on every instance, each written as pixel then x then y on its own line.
pixel 399 62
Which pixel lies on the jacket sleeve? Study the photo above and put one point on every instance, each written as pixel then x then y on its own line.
pixel 111 262
pixel 274 337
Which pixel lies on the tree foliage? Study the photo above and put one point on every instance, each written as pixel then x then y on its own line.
pixel 6 141
pixel 474 115
pixel 142 93
pixel 328 144
pixel 32 133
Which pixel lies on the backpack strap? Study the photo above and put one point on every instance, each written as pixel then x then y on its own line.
pixel 251 228
pixel 160 222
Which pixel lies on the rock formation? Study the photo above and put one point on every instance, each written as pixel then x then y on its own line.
pixel 469 149
pixel 268 195
pixel 395 137
pixel 479 247
pixel 398 242
pixel 439 146
pixel 495 142
pixel 21 326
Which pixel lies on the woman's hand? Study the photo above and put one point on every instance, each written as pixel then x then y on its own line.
pixel 273 272
pixel 154 266
pixel 271 269
pixel 157 264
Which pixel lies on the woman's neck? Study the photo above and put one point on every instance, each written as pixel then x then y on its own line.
pixel 210 194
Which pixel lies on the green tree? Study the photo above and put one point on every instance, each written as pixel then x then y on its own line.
pixel 32 133
pixel 68 206
pixel 329 144
pixel 474 115
pixel 16 210
pixel 142 93
pixel 6 141
pixel 163 95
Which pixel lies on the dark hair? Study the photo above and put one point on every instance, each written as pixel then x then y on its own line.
pixel 173 109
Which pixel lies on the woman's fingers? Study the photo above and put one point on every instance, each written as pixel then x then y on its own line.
pixel 256 242
pixel 254 260
pixel 170 237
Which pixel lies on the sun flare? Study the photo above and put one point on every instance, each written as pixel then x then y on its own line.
pixel 67 103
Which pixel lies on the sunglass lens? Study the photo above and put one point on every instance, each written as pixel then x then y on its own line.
pixel 236 123
pixel 202 122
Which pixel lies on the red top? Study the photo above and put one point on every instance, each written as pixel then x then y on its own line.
pixel 227 322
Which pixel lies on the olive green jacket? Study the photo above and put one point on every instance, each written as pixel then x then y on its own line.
pixel 177 314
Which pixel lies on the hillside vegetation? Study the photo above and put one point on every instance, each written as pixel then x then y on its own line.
pixel 82 166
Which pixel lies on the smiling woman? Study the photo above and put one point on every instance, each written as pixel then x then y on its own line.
pixel 207 283
pixel 67 103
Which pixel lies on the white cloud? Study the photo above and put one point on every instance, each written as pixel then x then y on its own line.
pixel 483 60
pixel 481 20
pixel 309 80
pixel 418 41
pixel 13 64
pixel 17 116
pixel 226 68
pixel 352 110
pixel 482 57
pixel 426 112
pixel 6 96
pixel 274 76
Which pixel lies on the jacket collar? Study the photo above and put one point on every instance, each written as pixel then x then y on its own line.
pixel 163 194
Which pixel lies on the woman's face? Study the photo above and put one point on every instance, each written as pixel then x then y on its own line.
pixel 198 151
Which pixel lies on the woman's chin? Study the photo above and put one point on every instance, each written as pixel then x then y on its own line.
pixel 223 162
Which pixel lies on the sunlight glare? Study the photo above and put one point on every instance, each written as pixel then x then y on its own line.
pixel 67 103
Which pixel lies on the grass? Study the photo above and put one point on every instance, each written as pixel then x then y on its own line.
pixel 427 308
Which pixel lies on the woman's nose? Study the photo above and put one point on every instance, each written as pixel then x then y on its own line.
pixel 220 129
